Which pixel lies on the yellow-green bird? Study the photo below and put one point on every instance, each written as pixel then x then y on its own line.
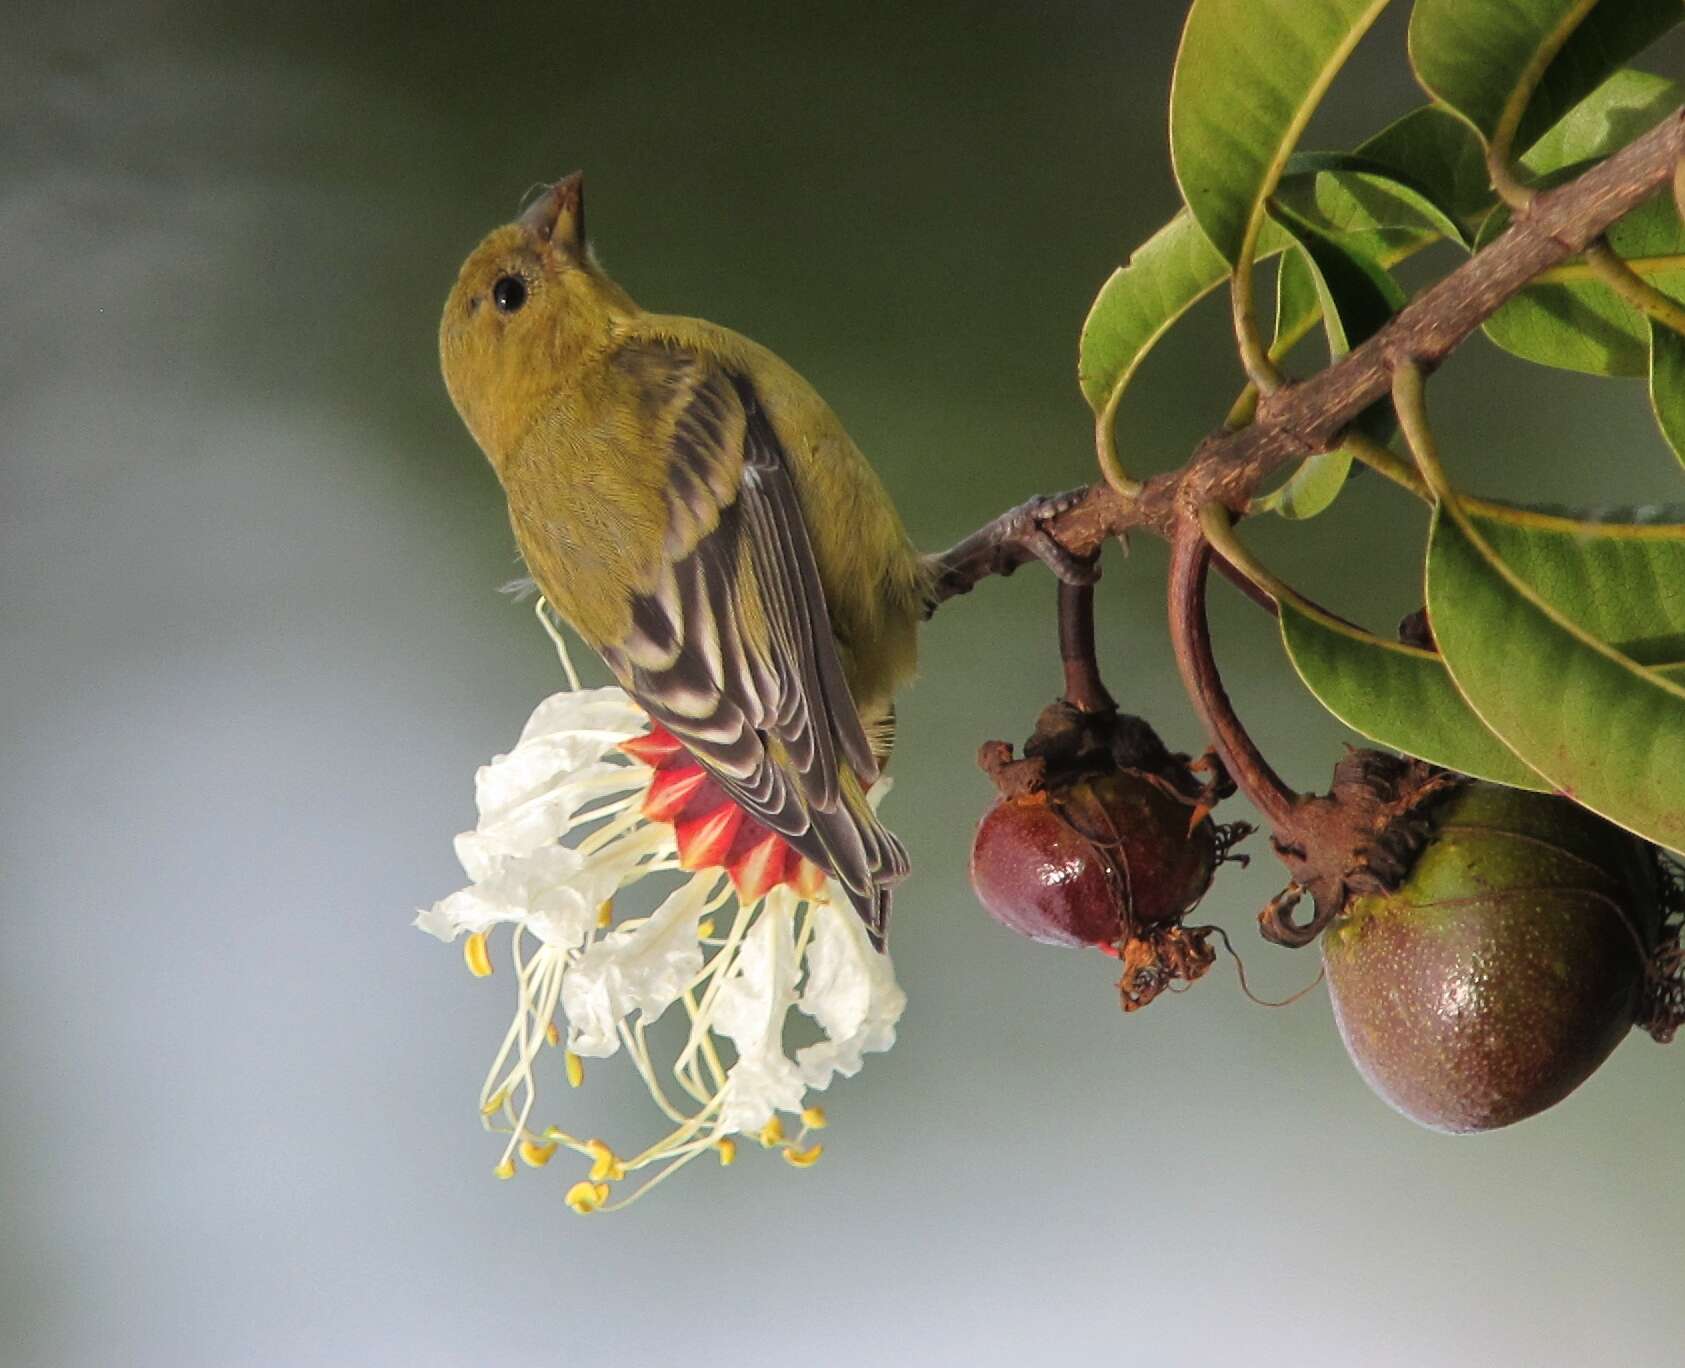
pixel 696 512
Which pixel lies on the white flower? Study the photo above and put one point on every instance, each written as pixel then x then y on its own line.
pixel 569 820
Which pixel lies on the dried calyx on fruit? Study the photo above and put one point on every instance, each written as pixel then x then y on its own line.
pixel 1486 948
pixel 1102 837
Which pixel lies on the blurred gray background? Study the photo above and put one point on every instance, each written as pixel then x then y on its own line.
pixel 251 651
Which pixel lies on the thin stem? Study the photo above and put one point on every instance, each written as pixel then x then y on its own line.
pixel 1190 636
pixel 1254 355
pixel 1244 582
pixel 1409 399
pixel 1105 444
pixel 1386 463
pixel 1227 550
pixel 1576 272
pixel 1084 689
pixel 1619 276
pixel 1510 189
pixel 1243 410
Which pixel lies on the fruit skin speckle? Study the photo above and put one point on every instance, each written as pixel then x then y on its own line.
pixel 1505 968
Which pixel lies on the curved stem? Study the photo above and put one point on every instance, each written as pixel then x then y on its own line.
pixel 1254 355
pixel 1386 463
pixel 1190 636
pixel 1619 276
pixel 1244 582
pixel 1510 189
pixel 1105 444
pixel 1229 551
pixel 1409 400
pixel 1084 689
pixel 1573 272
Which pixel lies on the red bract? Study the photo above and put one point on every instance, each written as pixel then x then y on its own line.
pixel 711 830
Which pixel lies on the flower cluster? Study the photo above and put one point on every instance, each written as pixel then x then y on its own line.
pixel 592 800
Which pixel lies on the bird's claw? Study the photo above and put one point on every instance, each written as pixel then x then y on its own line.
pixel 1026 528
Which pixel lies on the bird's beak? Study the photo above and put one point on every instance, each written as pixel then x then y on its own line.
pixel 557 217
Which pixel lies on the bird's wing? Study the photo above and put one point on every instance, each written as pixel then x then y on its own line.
pixel 732 651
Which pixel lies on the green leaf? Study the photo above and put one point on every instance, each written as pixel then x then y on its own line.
pixel 1621 581
pixel 1667 384
pixel 1626 105
pixel 1396 695
pixel 1582 325
pixel 1606 732
pixel 1248 76
pixel 1298 300
pixel 1166 276
pixel 1432 148
pixel 1339 192
pixel 1355 296
pixel 1472 56
pixel 1310 489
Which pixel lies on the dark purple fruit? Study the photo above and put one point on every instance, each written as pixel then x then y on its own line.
pixel 1088 863
pixel 1504 969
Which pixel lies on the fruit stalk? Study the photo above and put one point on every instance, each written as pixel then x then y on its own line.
pixel 1084 689
pixel 1190 636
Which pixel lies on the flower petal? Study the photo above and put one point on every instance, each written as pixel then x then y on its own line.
pixel 567 758
pixel 554 893
pixel 850 991
pixel 750 1009
pixel 641 968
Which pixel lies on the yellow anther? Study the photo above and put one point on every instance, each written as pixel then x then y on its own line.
pixel 728 1151
pixel 803 1158
pixel 586 1196
pixel 814 1118
pixel 705 928
pixel 475 953
pixel 506 1169
pixel 605 913
pixel 772 1133
pixel 605 1162
pixel 553 1034
pixel 576 1069
pixel 536 1155
pixel 495 1102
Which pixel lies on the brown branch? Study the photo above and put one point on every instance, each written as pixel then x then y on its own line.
pixel 1308 417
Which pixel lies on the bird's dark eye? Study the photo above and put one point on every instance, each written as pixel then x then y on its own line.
pixel 509 293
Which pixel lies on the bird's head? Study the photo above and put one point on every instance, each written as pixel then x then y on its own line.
pixel 528 306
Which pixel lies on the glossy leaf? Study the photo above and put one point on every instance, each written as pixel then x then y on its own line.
pixel 1166 276
pixel 1581 325
pixel 1432 148
pixel 1626 105
pixel 1355 296
pixel 1298 300
pixel 1248 76
pixel 1617 579
pixel 1340 192
pixel 1667 384
pixel 1472 56
pixel 1396 695
pixel 1605 731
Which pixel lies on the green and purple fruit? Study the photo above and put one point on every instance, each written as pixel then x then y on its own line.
pixel 1504 969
